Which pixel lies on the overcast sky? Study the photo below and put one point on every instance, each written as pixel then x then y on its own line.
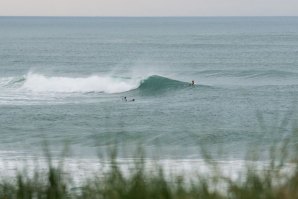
pixel 148 7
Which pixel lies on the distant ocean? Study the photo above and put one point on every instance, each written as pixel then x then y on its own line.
pixel 63 80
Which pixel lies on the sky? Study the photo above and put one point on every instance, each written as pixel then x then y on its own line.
pixel 148 7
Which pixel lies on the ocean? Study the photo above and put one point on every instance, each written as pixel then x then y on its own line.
pixel 63 81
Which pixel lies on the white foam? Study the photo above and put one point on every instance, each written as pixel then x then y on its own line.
pixel 107 84
pixel 85 168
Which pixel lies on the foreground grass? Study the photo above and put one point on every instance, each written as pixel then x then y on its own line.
pixel 269 182
pixel 273 181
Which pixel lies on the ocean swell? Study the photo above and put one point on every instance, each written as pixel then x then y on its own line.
pixel 157 84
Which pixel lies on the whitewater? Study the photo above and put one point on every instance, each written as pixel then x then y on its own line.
pixel 63 80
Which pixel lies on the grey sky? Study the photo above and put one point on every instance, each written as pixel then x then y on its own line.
pixel 149 7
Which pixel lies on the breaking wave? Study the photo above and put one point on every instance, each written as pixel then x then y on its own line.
pixel 94 83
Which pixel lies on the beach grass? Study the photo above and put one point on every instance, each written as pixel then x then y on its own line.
pixel 276 180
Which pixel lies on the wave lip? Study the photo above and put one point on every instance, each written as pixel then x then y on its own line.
pixel 40 83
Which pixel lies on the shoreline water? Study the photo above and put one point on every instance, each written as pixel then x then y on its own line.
pixel 122 178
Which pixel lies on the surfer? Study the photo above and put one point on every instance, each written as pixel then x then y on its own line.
pixel 192 83
pixel 125 99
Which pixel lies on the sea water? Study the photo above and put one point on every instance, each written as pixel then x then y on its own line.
pixel 63 82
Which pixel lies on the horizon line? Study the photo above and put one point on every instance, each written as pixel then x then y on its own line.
pixel 136 16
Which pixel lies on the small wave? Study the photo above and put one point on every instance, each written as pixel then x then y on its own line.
pixel 106 84
pixel 4 81
pixel 9 82
pixel 249 73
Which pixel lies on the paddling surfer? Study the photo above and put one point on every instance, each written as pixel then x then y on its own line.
pixel 125 99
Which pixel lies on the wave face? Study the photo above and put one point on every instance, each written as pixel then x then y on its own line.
pixel 157 84
pixel 40 83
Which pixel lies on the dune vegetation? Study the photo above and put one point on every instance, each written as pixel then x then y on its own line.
pixel 278 179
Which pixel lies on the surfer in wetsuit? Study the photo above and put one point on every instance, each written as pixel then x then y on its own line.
pixel 192 83
pixel 125 99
